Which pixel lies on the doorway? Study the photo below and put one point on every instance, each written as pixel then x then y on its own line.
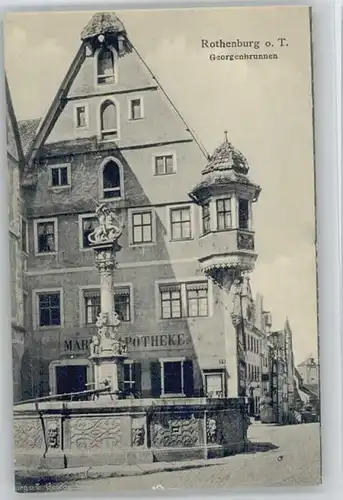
pixel 71 378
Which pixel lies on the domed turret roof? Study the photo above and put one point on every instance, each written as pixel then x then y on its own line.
pixel 102 23
pixel 227 166
pixel 227 157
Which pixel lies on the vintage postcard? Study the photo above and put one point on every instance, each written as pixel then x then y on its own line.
pixel 162 246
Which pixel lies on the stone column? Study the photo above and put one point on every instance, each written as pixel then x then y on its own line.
pixel 107 351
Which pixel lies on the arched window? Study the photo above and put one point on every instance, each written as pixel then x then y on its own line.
pixel 108 121
pixel 105 67
pixel 111 180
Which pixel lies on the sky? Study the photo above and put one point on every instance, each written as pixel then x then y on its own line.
pixel 265 105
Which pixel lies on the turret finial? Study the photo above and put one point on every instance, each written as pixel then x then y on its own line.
pixel 225 135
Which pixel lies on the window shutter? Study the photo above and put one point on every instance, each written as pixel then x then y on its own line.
pixel 155 373
pixel 188 381
pixel 137 376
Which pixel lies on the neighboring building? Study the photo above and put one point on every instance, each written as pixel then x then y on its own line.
pixel 112 135
pixel 282 378
pixel 309 371
pixel 17 241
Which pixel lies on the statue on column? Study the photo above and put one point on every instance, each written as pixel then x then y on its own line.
pixel 106 338
pixel 109 229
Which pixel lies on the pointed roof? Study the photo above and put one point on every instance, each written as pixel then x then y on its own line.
pixel 27 131
pixel 14 123
pixel 227 157
pixel 226 166
pixel 102 23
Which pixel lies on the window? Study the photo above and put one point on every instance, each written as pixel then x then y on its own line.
pixel 122 303
pixel 171 302
pixel 108 121
pixel 243 214
pixel 164 165
pixel 142 227
pixel 180 223
pixel 197 299
pixel 81 117
pixel 59 176
pixel 24 236
pixel 224 217
pixel 88 224
pixel 49 305
pixel 172 376
pixel 92 305
pixel 105 66
pixel 46 236
pixel 206 218
pixel 111 180
pixel 136 109
pixel 193 295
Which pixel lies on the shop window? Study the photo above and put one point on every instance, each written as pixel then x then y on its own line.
pixel 46 236
pixel 108 121
pixel 122 303
pixel 49 306
pixel 142 227
pixel 111 180
pixel 224 215
pixel 172 377
pixel 92 305
pixel 180 219
pixel 87 226
pixel 206 218
pixel 243 214
pixel 164 165
pixel 105 67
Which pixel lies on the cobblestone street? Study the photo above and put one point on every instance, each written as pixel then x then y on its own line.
pixel 296 462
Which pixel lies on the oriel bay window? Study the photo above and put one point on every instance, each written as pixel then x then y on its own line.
pixel 172 377
pixel 181 300
pixel 243 214
pixel 224 214
pixel 122 303
pixel 49 309
pixel 206 218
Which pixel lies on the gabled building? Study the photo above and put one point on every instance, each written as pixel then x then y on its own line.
pixel 17 242
pixel 113 136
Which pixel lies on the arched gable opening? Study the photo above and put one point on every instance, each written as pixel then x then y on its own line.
pixel 108 121
pixel 111 180
pixel 105 66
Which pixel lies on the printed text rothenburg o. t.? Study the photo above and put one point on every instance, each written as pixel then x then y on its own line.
pixel 254 48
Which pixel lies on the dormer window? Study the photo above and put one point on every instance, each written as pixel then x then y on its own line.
pixel 105 67
pixel 108 121
pixel 111 180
